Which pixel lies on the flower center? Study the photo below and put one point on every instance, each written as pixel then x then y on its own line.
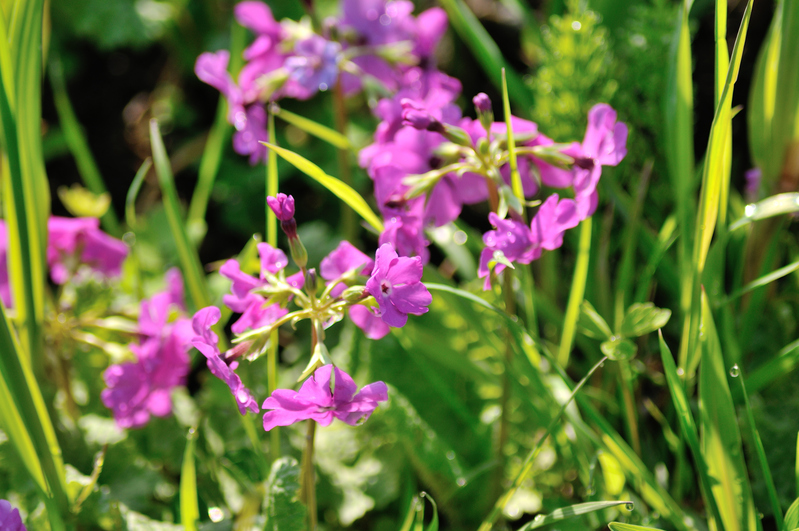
pixel 385 287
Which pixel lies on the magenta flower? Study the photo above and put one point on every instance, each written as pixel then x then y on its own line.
pixel 315 401
pixel 206 342
pixel 513 238
pixel 5 286
pixel 282 205
pixel 10 520
pixel 137 390
pixel 372 325
pixel 554 217
pixel 81 238
pixel 211 68
pixel 482 102
pixel 314 65
pixel 396 285
pixel 344 258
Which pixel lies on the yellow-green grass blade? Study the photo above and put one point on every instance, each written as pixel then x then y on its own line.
pixel 189 506
pixel 720 439
pixel 687 426
pixel 781 364
pixel 764 280
pixel 79 146
pixel 322 132
pixel 487 52
pixel 272 182
pixel 342 190
pixel 616 526
pixel 785 126
pixel 722 65
pixel 36 434
pixel 570 512
pixel 760 452
pixel 218 137
pixel 515 178
pixel 576 294
pixel 187 254
pixel 25 233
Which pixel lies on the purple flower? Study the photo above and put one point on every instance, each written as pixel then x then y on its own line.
pixel 257 17
pixel 5 286
pixel 10 520
pixel 136 390
pixel 211 68
pixel 404 230
pixel 206 342
pixel 247 140
pixel 553 218
pixel 430 27
pixel 282 205
pixel 82 238
pixel 344 258
pixel 513 238
pixel 372 325
pixel 482 102
pixel 752 176
pixel 418 117
pixel 315 400
pixel 314 65
pixel 396 285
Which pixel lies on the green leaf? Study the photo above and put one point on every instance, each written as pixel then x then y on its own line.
pixel 284 511
pixel 83 203
pixel 570 512
pixel 331 136
pixel 189 507
pixel 619 349
pixel 792 516
pixel 641 319
pixel 769 207
pixel 342 190
pixel 616 526
pixel 720 441
pixel 576 294
pixel 592 324
pixel 189 260
pixel 133 192
pixel 434 520
pixel 515 178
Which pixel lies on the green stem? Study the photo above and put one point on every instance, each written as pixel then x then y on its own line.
pixel 577 293
pixel 504 421
pixel 308 477
pixel 348 224
pixel 271 383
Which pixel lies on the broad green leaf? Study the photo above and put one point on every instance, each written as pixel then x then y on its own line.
pixel 331 136
pixel 687 424
pixel 189 260
pixel 342 190
pixel 720 440
pixel 592 324
pixel 619 349
pixel 189 506
pixel 643 318
pixel 616 526
pixel 570 512
pixel 576 294
pixel 792 516
pixel 486 52
pixel 79 146
pixel 284 511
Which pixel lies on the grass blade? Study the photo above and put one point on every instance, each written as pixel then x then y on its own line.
pixel 487 52
pixel 720 439
pixel 189 507
pixel 515 178
pixel 331 136
pixel 272 180
pixel 79 146
pixel 761 454
pixel 189 261
pixel 764 280
pixel 342 190
pixel 570 512
pixel 576 294
pixel 133 193
pixel 616 526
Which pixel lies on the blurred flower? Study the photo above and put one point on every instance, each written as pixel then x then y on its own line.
pixel 372 325
pixel 753 176
pixel 343 259
pixel 282 205
pixel 75 241
pixel 10 520
pixel 206 342
pixel 554 217
pixel 5 286
pixel 315 400
pixel 396 285
pixel 142 388
pixel 314 65
pixel 513 239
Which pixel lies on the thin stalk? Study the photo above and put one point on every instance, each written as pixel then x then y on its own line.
pixel 348 225
pixel 308 487
pixel 504 421
pixel 271 238
pixel 528 462
pixel 576 294
pixel 761 454
pixel 630 418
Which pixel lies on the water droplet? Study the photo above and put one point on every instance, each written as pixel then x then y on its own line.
pixel 629 506
pixel 385 20
pixel 459 237
pixel 680 372
pixel 215 514
pixel 513 512
pixel 323 87
pixel 450 455
pixel 735 371
pixel 590 491
pixel 461 482
pixel 538 518
pixel 576 25
pixel 191 431
pixel 602 364
pixel 750 210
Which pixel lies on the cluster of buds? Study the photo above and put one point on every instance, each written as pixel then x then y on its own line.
pixel 375 293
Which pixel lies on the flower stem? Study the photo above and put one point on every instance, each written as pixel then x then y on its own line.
pixel 308 479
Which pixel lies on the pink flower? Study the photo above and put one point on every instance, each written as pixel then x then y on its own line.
pixel 282 205
pixel 142 388
pixel 315 401
pixel 513 238
pixel 344 258
pixel 206 342
pixel 396 285
pixel 372 325
pixel 81 238
pixel 553 218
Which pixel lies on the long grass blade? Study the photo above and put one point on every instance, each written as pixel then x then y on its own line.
pixel 272 181
pixel 576 294
pixel 616 526
pixel 331 136
pixel 342 190
pixel 515 178
pixel 133 193
pixel 189 261
pixel 571 511
pixel 189 507
pixel 764 280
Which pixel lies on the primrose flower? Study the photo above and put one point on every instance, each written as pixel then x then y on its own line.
pixel 80 240
pixel 282 205
pixel 142 388
pixel 315 400
pixel 513 239
pixel 10 519
pixel 343 259
pixel 206 342
pixel 396 285
pixel 314 67
pixel 553 219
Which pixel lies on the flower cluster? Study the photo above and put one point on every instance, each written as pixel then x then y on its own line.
pixel 370 39
pixel 136 390
pixel 71 243
pixel 427 162
pixel 375 293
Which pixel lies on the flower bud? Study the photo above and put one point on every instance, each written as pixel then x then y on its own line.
pixel 482 104
pixel 311 285
pixel 419 118
pixel 298 252
pixel 354 294
pixel 282 206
